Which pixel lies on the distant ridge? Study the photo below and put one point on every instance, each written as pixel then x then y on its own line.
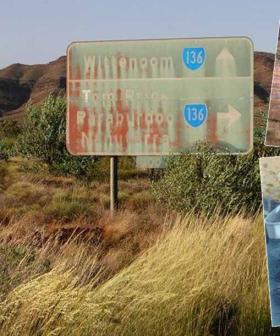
pixel 21 84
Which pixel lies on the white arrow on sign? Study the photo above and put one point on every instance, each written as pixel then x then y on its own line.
pixel 232 115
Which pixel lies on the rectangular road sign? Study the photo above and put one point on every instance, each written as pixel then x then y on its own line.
pixel 159 97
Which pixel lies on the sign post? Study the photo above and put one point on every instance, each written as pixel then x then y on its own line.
pixel 114 184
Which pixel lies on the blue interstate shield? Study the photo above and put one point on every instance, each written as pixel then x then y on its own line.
pixel 194 58
pixel 195 114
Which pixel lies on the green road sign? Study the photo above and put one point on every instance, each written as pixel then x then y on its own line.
pixel 158 97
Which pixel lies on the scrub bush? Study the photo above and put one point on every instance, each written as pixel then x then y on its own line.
pixel 9 132
pixel 4 151
pixel 44 137
pixel 205 181
pixel 9 128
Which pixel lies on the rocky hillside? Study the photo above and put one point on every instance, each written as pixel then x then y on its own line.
pixel 21 84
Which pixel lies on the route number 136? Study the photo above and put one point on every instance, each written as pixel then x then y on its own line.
pixel 195 114
pixel 194 58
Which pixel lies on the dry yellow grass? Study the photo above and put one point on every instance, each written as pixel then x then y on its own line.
pixel 201 277
pixel 68 268
pixel 33 199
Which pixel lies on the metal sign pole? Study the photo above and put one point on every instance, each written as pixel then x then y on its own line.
pixel 114 183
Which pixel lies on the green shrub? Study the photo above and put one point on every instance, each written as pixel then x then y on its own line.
pixel 9 132
pixel 9 128
pixel 8 148
pixel 43 136
pixel 4 151
pixel 204 182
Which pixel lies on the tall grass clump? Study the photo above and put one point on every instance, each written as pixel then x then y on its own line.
pixel 202 277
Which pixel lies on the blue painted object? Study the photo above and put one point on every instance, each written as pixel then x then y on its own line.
pixel 194 58
pixel 195 114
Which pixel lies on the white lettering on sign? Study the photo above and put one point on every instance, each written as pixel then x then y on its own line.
pixel 106 67
pixel 86 92
pixel 146 113
pixel 148 119
pixel 108 98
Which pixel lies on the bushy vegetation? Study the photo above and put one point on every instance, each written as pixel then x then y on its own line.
pixel 9 132
pixel 9 128
pixel 205 181
pixel 43 136
pixel 4 151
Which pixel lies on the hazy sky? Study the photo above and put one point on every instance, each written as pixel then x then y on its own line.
pixel 38 31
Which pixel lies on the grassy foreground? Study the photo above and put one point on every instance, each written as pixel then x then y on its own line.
pixel 201 277
pixel 68 268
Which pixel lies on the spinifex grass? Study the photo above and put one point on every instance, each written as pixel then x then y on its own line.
pixel 201 277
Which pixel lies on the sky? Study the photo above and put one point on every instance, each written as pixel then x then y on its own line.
pixel 39 31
